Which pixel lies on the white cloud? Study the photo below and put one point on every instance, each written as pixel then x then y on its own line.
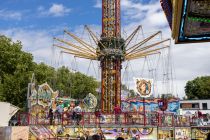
pixel 145 14
pixel 156 19
pixel 10 15
pixel 136 12
pixel 34 41
pixel 56 10
pixel 98 4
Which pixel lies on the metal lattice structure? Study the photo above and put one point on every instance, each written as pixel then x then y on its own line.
pixel 111 50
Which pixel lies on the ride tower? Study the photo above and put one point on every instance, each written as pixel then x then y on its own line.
pixel 112 51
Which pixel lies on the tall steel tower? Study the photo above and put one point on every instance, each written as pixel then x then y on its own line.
pixel 111 50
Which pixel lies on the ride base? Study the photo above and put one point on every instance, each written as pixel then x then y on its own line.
pixel 152 125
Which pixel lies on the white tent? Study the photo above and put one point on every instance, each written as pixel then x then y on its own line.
pixel 7 111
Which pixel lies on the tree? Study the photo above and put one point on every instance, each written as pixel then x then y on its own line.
pixel 199 88
pixel 44 73
pixel 131 92
pixel 82 85
pixel 63 81
pixel 75 85
pixel 15 68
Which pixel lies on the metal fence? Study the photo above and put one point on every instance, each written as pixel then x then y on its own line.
pixel 108 119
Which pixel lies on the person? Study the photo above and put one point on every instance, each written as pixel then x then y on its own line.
pixel 120 138
pixel 100 118
pixel 97 114
pixel 200 115
pixel 200 118
pixel 87 136
pixel 77 114
pixel 138 137
pixel 117 111
pixel 101 134
pixel 82 138
pixel 96 137
pixel 50 116
pixel 208 136
pixel 193 119
pixel 59 112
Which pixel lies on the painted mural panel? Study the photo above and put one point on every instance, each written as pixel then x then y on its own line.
pixel 144 86
pixel 108 133
pixel 200 133
pixel 183 133
pixel 137 104
pixel 166 133
pixel 90 101
pixel 45 95
pixel 41 101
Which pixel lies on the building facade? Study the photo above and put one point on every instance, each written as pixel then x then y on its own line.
pixel 192 106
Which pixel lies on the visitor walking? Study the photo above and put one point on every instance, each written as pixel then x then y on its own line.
pixel 77 114
pixel 50 116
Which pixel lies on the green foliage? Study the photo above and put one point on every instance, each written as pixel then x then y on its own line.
pixel 82 85
pixel 199 88
pixel 63 81
pixel 43 73
pixel 76 85
pixel 167 96
pixel 17 66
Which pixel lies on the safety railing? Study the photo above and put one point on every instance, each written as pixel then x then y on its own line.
pixel 107 119
pixel 183 121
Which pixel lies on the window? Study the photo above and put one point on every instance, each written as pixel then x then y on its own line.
pixel 186 105
pixel 195 105
pixel 204 105
pixel 189 105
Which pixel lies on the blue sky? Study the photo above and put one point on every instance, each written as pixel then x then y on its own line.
pixel 42 14
pixel 36 22
pixel 38 14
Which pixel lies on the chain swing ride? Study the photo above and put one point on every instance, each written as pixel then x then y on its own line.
pixel 111 50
